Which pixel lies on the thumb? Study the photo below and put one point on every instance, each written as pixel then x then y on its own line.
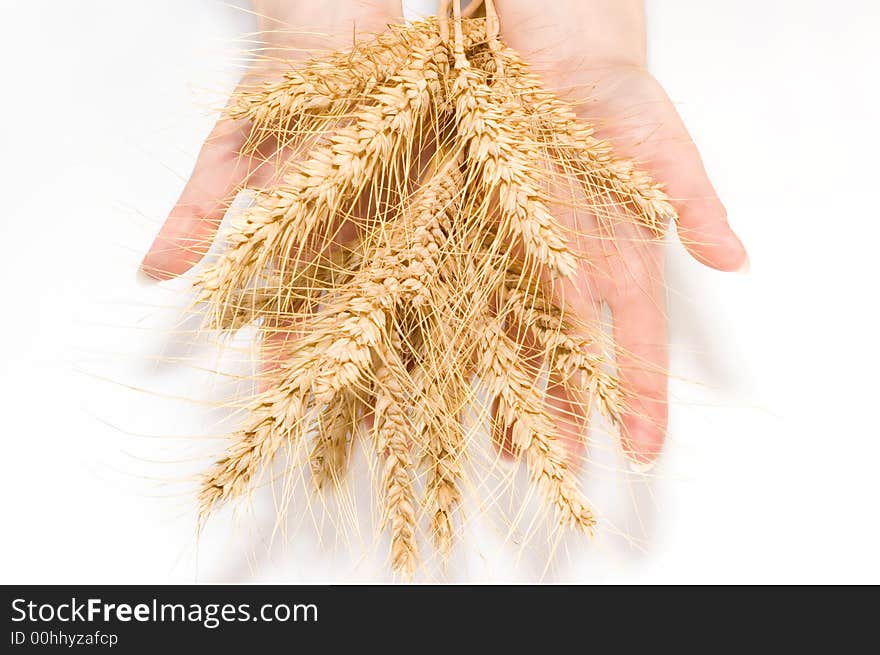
pixel 189 229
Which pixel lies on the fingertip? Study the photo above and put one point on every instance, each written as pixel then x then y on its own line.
pixel 642 441
pixel 643 427
pixel 720 249
pixel 181 243
pixel 643 365
pixel 704 230
pixel 166 260
pixel 188 231
pixel 153 269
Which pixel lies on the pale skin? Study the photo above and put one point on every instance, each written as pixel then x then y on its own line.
pixel 589 49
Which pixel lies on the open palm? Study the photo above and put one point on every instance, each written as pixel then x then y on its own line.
pixel 616 93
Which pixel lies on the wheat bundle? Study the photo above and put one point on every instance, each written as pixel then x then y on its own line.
pixel 435 147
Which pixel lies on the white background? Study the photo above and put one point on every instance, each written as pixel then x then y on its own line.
pixel 770 473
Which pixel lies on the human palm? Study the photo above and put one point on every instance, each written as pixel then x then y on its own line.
pixel 614 92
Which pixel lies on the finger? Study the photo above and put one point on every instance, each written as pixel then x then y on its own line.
pixel 702 218
pixel 570 406
pixel 187 233
pixel 570 414
pixel 642 124
pixel 639 318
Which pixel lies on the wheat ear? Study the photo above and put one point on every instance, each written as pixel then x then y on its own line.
pixel 593 162
pixel 443 442
pixel 317 190
pixel 276 417
pixel 393 435
pixel 521 407
pixel 324 91
pixel 501 160
pixel 324 88
pixel 330 454
pixel 569 356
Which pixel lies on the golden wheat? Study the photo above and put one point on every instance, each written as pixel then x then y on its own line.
pixel 393 441
pixel 521 408
pixel 330 454
pixel 502 161
pixel 607 181
pixel 326 185
pixel 440 148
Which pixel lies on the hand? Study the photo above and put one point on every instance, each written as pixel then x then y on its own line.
pixel 596 49
pixel 289 29
pixel 626 104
